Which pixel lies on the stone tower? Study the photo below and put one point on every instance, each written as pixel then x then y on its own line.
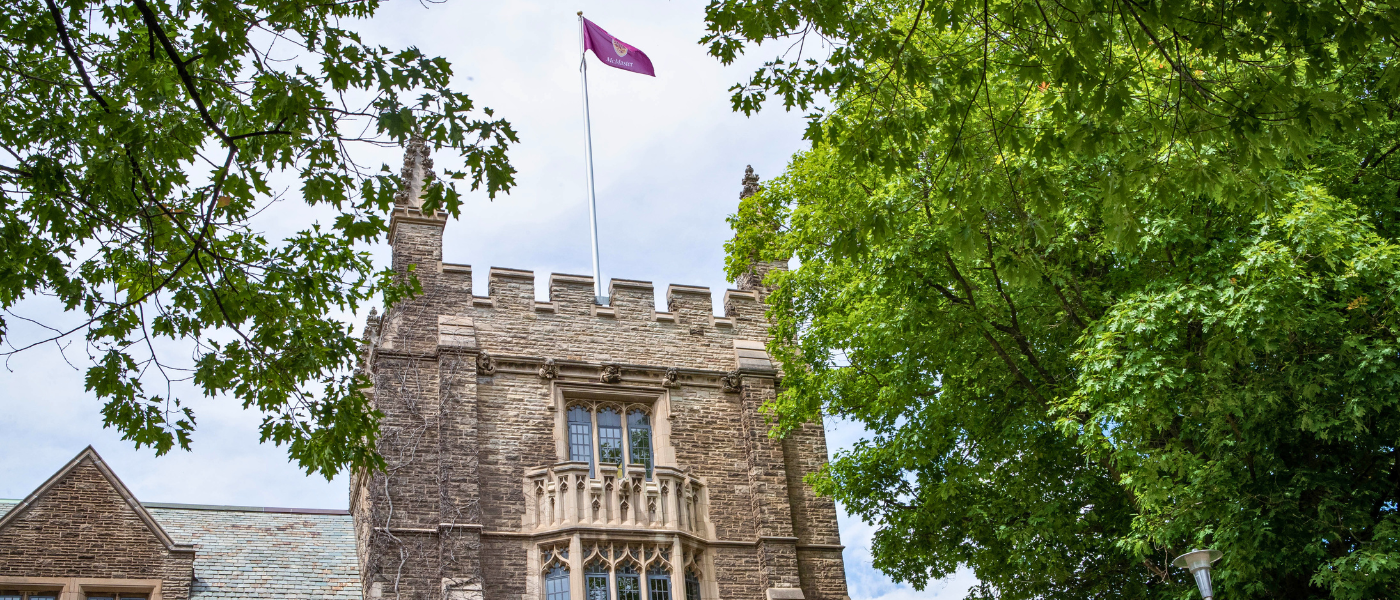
pixel 563 449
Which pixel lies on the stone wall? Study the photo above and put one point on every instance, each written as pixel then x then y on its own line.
pixel 470 387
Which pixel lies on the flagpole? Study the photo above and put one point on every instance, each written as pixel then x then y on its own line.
pixel 588 152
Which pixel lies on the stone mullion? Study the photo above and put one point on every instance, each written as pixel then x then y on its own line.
pixel 576 567
pixel 677 559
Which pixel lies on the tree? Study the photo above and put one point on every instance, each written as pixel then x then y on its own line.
pixel 140 138
pixel 1105 281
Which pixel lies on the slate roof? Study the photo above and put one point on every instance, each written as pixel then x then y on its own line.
pixel 263 553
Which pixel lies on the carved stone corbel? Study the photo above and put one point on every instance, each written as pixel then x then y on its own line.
pixel 485 365
pixel 612 373
pixel 670 379
pixel 549 370
pixel 730 381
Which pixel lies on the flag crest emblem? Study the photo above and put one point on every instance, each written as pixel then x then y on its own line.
pixel 623 56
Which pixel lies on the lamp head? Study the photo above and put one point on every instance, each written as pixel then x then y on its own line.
pixel 1198 562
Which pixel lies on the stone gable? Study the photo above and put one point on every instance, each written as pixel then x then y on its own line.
pixel 83 523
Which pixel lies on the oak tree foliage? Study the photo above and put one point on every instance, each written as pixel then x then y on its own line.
pixel 137 141
pixel 1106 280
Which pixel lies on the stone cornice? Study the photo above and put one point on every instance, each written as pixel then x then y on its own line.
pixel 415 217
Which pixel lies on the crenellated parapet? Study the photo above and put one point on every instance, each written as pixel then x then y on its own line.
pixel 571 324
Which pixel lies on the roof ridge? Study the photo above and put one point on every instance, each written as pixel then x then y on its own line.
pixel 229 508
pixel 236 508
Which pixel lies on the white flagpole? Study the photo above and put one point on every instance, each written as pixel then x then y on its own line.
pixel 588 151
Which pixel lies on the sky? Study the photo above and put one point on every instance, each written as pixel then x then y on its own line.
pixel 669 155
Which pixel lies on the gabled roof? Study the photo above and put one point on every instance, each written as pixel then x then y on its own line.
pixel 263 555
pixel 90 455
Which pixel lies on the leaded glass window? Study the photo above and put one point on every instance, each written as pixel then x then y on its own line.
pixel 659 584
pixel 692 586
pixel 556 584
pixel 609 436
pixel 581 436
pixel 629 584
pixel 639 433
pixel 595 579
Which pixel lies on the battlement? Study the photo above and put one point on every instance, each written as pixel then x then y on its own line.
pixel 570 324
pixel 630 299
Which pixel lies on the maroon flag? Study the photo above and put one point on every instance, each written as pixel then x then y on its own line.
pixel 614 52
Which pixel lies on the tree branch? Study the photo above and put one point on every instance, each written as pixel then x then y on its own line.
pixel 1015 329
pixel 185 78
pixel 1073 316
pixel 996 346
pixel 73 54
pixel 1368 163
pixel 1180 71
pixel 16 171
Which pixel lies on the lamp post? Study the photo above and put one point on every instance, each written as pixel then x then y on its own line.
pixel 1198 562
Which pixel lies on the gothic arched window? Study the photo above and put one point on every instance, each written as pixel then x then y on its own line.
pixel 556 584
pixel 609 436
pixel 581 436
pixel 629 583
pixel 659 584
pixel 595 582
pixel 692 586
pixel 639 433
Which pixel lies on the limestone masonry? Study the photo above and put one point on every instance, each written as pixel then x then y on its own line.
pixel 563 449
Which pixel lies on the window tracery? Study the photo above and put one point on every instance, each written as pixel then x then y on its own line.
pixel 692 585
pixel 658 584
pixel 639 438
pixel 554 555
pixel 636 570
pixel 556 584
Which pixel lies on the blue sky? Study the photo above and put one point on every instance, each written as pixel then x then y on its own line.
pixel 669 157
